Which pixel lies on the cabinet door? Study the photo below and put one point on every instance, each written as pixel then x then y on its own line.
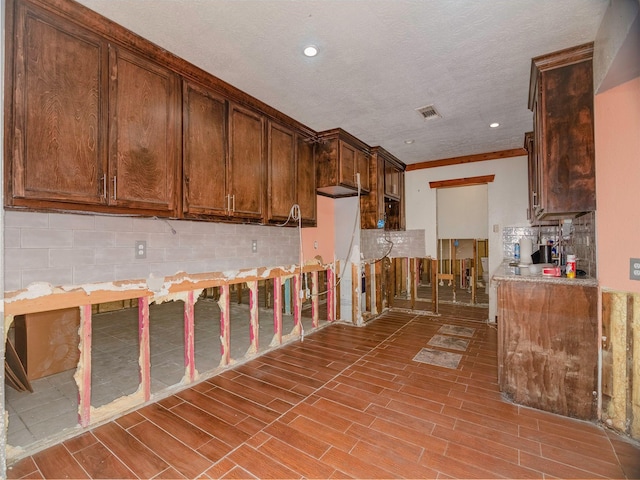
pixel 281 171
pixel 541 339
pixel 372 207
pixel 205 152
pixel 391 181
pixel 246 163
pixel 568 160
pixel 306 181
pixel 538 196
pixel 362 167
pixel 531 166
pixel 59 103
pixel 347 155
pixel 144 129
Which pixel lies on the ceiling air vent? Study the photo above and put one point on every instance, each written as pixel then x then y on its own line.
pixel 429 112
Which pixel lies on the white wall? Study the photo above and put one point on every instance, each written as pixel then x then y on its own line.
pixel 346 211
pixel 507 203
pixel 462 212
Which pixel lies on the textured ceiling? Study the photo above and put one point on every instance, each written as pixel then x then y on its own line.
pixel 379 61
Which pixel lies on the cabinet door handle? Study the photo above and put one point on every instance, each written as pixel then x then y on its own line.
pixel 233 209
pixel 115 188
pixel 104 186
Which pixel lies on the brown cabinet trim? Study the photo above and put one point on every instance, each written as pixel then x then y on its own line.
pixel 480 157
pixel 462 182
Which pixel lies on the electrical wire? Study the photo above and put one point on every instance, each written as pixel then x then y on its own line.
pixel 295 215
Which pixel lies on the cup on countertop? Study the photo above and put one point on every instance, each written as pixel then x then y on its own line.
pixel 526 248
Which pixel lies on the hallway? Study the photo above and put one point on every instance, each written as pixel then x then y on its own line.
pixel 348 402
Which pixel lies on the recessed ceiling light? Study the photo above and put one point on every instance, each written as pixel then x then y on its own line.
pixel 310 50
pixel 409 142
pixel 494 125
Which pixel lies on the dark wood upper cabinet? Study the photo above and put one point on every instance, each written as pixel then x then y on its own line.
pixel 386 201
pixel 204 152
pixel 58 139
pixel 561 98
pixel 99 119
pixel 392 175
pixel 532 174
pixel 246 171
pixel 306 180
pixel 291 175
pixel 281 171
pixel 144 134
pixel 95 126
pixel 340 157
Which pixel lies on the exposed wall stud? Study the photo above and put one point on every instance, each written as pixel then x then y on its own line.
pixel 83 374
pixel 143 340
pixel 297 305
pixel 225 329
pixel 277 312
pixel 315 301
pixel 331 283
pixel 189 337
pixel 254 325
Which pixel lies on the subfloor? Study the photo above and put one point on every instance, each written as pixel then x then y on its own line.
pixel 407 395
pixel 454 294
pixel 52 409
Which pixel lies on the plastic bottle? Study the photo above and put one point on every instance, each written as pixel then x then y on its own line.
pixel 571 266
pixel 516 252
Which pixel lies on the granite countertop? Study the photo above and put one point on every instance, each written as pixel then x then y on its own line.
pixel 507 272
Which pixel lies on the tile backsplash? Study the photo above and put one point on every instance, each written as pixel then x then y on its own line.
pixel 576 238
pixel 376 244
pixel 75 249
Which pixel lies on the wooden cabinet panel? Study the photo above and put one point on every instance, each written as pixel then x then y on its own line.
pixel 95 123
pixel 339 156
pixel 531 168
pixel 347 171
pixel 387 175
pixel 306 181
pixel 58 148
pixel 204 152
pixel 561 97
pixel 246 163
pixel 372 206
pixel 352 162
pixel 281 171
pixel 291 175
pixel 144 133
pixel 392 181
pixel 547 346
pixel 362 167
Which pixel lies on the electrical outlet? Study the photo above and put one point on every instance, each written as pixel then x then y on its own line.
pixel 254 246
pixel 141 249
pixel 634 269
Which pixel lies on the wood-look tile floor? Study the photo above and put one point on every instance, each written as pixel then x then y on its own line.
pixel 347 402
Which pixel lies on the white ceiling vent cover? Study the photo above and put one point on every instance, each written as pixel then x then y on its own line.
pixel 428 112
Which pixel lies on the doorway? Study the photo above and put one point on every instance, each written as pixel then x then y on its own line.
pixel 463 246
